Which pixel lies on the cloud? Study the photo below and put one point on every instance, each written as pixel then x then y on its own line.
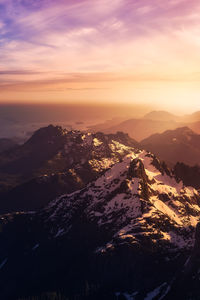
pixel 18 72
pixel 97 41
pixel 87 81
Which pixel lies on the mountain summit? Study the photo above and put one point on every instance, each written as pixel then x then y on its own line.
pixel 161 115
pixel 55 161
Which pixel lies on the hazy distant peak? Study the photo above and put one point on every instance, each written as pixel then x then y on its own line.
pixel 177 133
pixel 160 115
pixel 183 130
pixel 195 117
pixel 181 144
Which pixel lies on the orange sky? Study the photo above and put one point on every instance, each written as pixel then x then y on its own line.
pixel 122 51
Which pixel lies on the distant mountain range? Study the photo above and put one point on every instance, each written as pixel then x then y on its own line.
pixel 151 123
pixel 161 115
pixel 141 128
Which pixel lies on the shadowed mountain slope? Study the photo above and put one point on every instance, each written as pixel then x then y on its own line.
pixel 172 146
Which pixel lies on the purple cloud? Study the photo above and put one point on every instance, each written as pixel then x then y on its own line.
pixel 32 20
pixel 92 35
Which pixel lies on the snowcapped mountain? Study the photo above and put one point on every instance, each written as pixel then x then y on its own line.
pixel 56 160
pixel 52 149
pixel 126 232
pixel 135 200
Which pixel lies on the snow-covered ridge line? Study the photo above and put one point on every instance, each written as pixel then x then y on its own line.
pixel 136 198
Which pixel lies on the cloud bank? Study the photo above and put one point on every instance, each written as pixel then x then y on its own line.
pixel 45 42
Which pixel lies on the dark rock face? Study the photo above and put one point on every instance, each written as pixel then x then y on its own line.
pixel 37 192
pixel 189 175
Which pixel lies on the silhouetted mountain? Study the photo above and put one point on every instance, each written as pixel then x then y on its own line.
pixel 126 234
pixel 31 156
pixel 172 146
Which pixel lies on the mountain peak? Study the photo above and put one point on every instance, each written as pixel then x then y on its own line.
pixel 172 146
pixel 184 129
pixel 160 115
pixel 47 134
pixel 180 132
pixel 135 197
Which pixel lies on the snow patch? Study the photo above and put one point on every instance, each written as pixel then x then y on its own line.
pixel 35 247
pixel 97 142
pixel 161 206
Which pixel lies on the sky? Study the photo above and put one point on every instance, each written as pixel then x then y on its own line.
pixel 101 51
